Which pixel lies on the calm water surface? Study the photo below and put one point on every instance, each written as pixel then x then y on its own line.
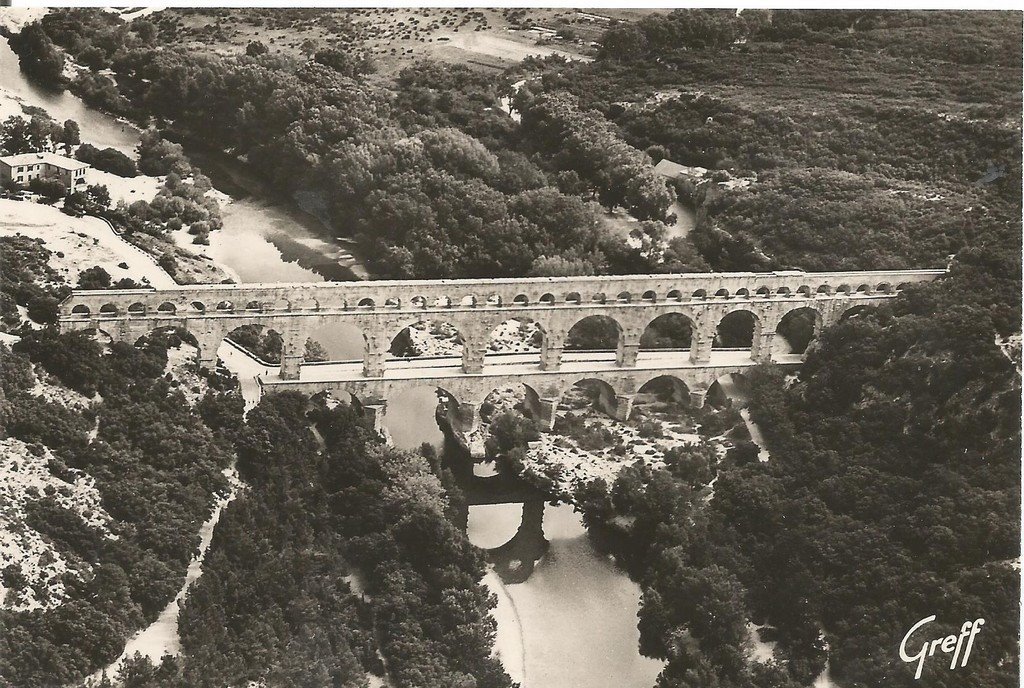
pixel 98 129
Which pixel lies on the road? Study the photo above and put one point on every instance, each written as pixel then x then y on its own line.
pixel 524 364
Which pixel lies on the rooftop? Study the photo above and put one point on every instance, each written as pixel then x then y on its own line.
pixel 44 157
pixel 667 168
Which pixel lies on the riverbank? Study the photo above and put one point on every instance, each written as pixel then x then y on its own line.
pixel 79 243
pixel 268 237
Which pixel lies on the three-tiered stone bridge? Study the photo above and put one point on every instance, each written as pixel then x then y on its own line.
pixel 380 310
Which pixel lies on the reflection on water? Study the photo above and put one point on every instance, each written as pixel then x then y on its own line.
pixel 266 238
pixel 98 129
pixel 572 621
pixel 566 615
pixel 410 419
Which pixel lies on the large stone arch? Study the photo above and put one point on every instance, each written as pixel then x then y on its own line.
pixel 856 308
pixel 343 339
pixel 679 330
pixel 728 388
pixel 519 334
pixel 414 395
pixel 735 337
pixel 674 386
pixel 798 327
pixel 594 339
pixel 607 395
pixel 255 337
pixel 396 329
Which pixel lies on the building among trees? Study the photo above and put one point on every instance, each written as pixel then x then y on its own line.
pixel 25 167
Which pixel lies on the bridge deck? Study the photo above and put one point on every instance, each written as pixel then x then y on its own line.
pixel 505 365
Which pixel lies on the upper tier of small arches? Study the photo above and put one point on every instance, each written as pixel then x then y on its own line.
pixel 139 306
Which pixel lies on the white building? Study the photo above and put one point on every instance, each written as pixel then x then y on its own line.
pixel 25 167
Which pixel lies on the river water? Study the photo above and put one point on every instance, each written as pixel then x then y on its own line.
pixel 572 621
pixel 98 129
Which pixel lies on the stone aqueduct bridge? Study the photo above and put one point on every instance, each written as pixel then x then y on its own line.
pixel 382 309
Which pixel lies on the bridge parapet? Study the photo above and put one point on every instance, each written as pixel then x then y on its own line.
pixel 440 295
pixel 380 310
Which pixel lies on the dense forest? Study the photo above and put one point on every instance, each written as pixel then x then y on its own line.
pixel 273 605
pixel 831 139
pixel 157 468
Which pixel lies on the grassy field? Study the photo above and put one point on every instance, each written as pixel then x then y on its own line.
pixel 396 37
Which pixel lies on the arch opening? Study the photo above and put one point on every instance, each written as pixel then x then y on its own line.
pixel 176 346
pixel 171 336
pixel 108 309
pixel 411 417
pixel 593 336
pixel 858 311
pixel 796 330
pixel 737 330
pixel 663 393
pixel 334 341
pixel 167 307
pixel 515 341
pixel 729 391
pixel 668 332
pixel 81 309
pixel 137 309
pixel 583 399
pixel 260 342
pixel 426 338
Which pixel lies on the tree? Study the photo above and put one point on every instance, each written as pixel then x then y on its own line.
pixel 509 430
pixel 94 278
pixel 98 194
pixel 108 160
pixel 50 189
pixel 70 135
pixel 256 48
pixel 38 56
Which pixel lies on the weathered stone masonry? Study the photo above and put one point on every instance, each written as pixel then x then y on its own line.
pixel 382 309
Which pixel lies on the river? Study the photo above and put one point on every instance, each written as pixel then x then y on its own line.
pixel 566 615
pixel 568 618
